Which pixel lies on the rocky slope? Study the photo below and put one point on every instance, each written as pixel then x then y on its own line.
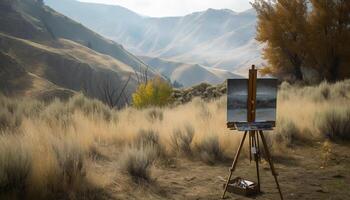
pixel 204 91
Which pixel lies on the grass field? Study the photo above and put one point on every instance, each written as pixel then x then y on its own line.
pixel 81 149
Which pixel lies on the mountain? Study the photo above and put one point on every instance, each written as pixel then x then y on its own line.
pixel 221 39
pixel 43 51
pixel 188 74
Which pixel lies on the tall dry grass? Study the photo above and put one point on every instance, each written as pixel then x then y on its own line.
pixel 46 147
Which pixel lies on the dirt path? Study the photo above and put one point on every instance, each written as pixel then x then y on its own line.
pixel 300 177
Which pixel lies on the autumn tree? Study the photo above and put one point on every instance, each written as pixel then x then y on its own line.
pixel 282 26
pixel 155 92
pixel 297 38
pixel 330 38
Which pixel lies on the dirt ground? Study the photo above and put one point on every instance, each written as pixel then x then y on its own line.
pixel 301 176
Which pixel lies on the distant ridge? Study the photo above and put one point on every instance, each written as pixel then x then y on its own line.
pixel 221 39
pixel 188 74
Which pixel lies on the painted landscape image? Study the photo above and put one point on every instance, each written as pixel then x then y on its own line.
pixel 237 100
pixel 266 100
pixel 130 99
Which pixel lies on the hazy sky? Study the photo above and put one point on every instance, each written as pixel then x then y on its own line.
pixel 161 8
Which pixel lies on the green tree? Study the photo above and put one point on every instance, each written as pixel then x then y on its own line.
pixel 155 92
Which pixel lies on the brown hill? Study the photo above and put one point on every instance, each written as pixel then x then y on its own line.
pixel 42 50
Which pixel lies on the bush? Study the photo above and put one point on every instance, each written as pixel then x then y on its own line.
pixel 137 162
pixel 286 132
pixel 156 92
pixel 15 165
pixel 334 123
pixel 181 140
pixel 89 107
pixel 209 150
pixel 9 121
pixel 71 172
pixel 149 139
pixel 57 113
pixel 154 115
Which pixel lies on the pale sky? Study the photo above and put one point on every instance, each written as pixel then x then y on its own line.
pixel 161 8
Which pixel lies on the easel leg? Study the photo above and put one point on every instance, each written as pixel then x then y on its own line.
pixel 268 156
pixel 250 147
pixel 256 156
pixel 234 162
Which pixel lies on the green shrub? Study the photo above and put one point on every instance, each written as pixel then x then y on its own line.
pixel 155 92
pixel 334 123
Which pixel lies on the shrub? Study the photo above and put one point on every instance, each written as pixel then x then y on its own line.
pixel 286 132
pixel 137 162
pixel 9 121
pixel 154 115
pixel 334 123
pixel 203 109
pixel 57 113
pixel 71 170
pixel 209 150
pixel 15 165
pixel 89 106
pixel 156 92
pixel 181 140
pixel 149 139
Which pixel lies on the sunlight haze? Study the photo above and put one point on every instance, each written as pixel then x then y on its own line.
pixel 161 8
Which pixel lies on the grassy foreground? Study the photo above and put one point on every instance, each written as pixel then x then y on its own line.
pixel 80 149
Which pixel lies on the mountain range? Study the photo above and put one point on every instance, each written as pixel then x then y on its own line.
pixel 220 39
pixel 44 52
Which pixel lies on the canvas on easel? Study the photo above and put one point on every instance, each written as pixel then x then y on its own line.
pixel 237 102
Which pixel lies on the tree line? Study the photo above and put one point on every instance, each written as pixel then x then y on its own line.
pixel 305 35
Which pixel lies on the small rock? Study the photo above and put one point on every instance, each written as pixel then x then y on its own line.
pixel 190 178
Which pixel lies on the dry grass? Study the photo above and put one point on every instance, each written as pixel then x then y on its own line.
pixel 334 123
pixel 49 145
pixel 137 162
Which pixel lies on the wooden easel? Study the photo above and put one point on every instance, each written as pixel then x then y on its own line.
pixel 254 145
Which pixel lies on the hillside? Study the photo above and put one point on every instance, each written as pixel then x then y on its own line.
pixel 188 74
pixel 214 38
pixel 50 50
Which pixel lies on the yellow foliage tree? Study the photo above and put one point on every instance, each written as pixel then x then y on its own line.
pixel 282 25
pixel 298 36
pixel 155 92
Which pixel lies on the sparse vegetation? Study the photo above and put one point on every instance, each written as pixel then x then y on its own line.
pixel 286 133
pixel 209 150
pixel 137 162
pixel 334 123
pixel 181 140
pixel 65 134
